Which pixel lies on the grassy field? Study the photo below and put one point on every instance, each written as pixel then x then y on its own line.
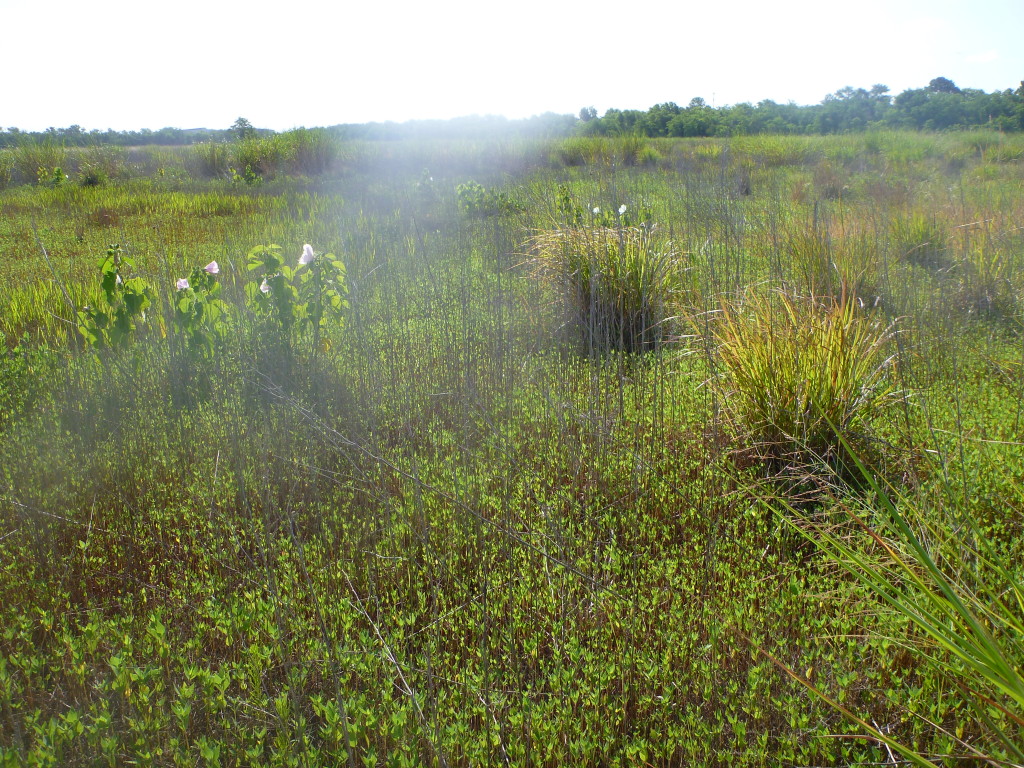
pixel 604 452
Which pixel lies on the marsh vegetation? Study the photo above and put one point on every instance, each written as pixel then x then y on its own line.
pixel 610 451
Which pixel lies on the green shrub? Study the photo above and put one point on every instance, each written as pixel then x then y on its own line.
pixel 120 309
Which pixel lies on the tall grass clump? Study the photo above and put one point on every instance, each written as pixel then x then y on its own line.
pixel 578 150
pixel 619 287
pixel 922 241
pixel 6 168
pixel 625 149
pixel 211 159
pixel 801 376
pixel 821 263
pixel 263 156
pixel 311 151
pixel 38 160
pixel 986 269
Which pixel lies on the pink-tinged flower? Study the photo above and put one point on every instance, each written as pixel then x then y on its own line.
pixel 213 268
pixel 307 255
pixel 264 286
pixel 182 284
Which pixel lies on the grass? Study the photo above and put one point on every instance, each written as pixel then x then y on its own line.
pixel 620 287
pixel 449 538
pixel 800 376
pixel 943 575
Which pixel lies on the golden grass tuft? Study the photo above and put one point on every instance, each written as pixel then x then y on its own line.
pixel 803 377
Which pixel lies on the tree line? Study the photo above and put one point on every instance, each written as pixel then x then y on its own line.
pixel 939 106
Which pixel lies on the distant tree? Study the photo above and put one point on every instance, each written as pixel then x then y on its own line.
pixel 931 110
pixel 242 129
pixel 587 114
pixel 655 122
pixel 942 85
pixel 880 92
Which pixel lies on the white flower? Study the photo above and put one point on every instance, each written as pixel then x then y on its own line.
pixel 596 210
pixel 307 254
pixel 264 286
pixel 622 209
pixel 213 268
pixel 182 284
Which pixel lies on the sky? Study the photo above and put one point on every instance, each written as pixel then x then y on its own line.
pixel 128 65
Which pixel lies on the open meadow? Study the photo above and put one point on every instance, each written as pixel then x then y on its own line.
pixel 603 451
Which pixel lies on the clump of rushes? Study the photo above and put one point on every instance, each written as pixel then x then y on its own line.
pixel 619 285
pixel 922 241
pixel 803 379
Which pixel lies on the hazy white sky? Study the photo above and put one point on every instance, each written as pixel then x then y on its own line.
pixel 126 64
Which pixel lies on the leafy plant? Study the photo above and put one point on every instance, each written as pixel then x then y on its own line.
pixel 200 315
pixel 965 598
pixel 250 178
pixel 322 291
pixel 472 197
pixel 476 200
pixel 121 306
pixel 297 299
pixel 51 177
